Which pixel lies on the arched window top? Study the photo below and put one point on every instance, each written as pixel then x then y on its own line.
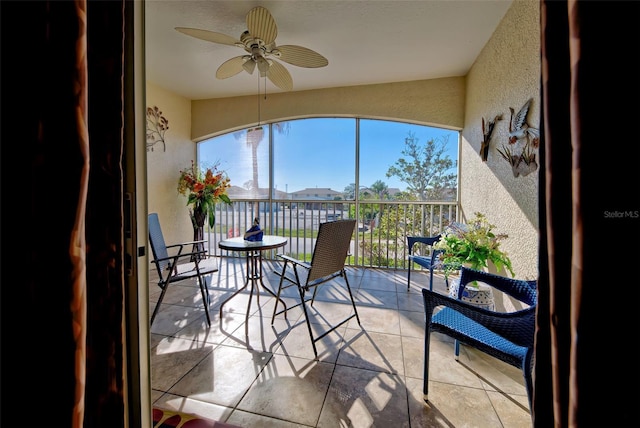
pixel 328 158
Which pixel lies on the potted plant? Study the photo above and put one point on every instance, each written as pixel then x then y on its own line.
pixel 474 245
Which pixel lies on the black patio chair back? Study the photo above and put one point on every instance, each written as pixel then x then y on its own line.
pixel 174 265
pixel 507 336
pixel 331 249
pixel 330 253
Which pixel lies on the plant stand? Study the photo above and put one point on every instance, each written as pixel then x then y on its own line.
pixel 480 295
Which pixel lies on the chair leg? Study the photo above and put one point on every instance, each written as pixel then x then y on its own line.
pixel 353 303
pixel 301 291
pixel 275 306
pixel 425 376
pixel 155 310
pixel 527 368
pixel 409 277
pixel 204 291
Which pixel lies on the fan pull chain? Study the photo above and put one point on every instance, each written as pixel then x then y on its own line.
pixel 265 86
pixel 258 99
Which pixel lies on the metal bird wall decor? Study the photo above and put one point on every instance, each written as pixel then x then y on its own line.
pixel 521 164
pixel 487 131
pixel 519 128
pixel 523 139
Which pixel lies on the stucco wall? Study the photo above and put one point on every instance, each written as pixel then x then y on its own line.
pixel 163 166
pixel 506 74
pixel 437 102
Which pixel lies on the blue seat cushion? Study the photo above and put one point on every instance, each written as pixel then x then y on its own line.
pixel 458 326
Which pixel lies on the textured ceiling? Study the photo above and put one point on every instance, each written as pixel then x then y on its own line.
pixel 365 42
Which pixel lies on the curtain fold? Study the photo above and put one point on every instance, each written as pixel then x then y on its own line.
pixel 105 365
pixel 589 211
pixel 44 148
pixel 62 271
pixel 78 247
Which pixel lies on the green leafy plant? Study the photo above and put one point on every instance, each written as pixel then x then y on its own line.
pixel 473 244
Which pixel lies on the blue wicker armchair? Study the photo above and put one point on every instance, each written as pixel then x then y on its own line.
pixel 508 336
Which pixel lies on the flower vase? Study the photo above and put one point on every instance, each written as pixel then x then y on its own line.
pixel 198 218
pixel 478 294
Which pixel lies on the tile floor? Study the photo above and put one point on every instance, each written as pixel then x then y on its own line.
pixel 247 372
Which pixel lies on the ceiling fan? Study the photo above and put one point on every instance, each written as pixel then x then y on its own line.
pixel 259 42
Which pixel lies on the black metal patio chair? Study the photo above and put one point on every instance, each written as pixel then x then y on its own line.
pixel 327 262
pixel 178 266
pixel 507 336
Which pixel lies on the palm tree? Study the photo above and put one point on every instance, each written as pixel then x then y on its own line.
pixel 380 188
pixel 253 138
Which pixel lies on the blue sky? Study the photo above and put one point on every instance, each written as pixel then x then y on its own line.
pixel 321 152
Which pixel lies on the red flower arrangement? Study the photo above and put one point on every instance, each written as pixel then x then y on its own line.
pixel 203 191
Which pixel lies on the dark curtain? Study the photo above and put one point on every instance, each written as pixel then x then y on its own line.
pixel 104 399
pixel 62 214
pixel 587 327
pixel 62 269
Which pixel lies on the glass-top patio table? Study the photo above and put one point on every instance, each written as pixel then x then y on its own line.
pixel 253 251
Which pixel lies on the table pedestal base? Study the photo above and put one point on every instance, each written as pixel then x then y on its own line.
pixel 253 277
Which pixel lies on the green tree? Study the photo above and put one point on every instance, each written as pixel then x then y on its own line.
pixel 426 169
pixel 380 188
pixel 350 191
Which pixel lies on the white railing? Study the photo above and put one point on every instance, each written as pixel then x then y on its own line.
pixel 380 241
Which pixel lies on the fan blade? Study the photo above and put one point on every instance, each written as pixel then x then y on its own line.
pixel 209 36
pixel 231 67
pixel 280 76
pixel 261 25
pixel 301 56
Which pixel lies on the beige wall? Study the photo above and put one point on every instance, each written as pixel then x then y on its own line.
pixel 429 102
pixel 505 75
pixel 163 166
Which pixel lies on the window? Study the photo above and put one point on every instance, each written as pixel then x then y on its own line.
pixel 315 154
pixel 317 157
pixel 244 155
pixel 382 144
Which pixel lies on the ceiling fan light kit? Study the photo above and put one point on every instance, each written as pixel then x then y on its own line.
pixel 259 43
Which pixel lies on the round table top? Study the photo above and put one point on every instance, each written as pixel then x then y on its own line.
pixel 239 244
